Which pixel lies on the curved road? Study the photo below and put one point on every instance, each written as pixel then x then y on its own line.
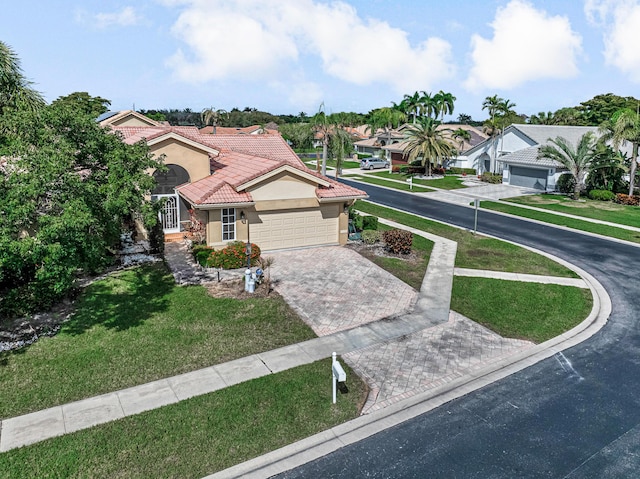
pixel 549 420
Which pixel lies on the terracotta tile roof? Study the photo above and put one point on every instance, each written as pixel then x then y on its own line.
pixel 133 134
pixel 266 146
pixel 340 190
pixel 212 190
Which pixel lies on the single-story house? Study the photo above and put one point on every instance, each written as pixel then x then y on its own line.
pixel 244 187
pixel 374 145
pixel 515 154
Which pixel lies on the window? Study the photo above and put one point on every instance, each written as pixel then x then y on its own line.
pixel 228 224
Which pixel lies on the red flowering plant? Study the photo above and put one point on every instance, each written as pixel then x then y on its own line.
pixel 233 256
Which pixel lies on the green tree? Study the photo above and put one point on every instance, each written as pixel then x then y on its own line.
pixel 299 134
pixel 576 159
pixel 465 119
pixel 542 118
pixel 622 128
pixel 429 105
pixel 461 135
pixel 66 189
pixel 386 119
pixel 607 170
pixel 413 105
pixel 444 104
pixel 601 108
pixel 213 117
pixel 16 92
pixel 569 116
pixel 84 103
pixel 428 143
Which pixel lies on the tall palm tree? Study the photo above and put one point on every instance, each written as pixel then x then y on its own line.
pixel 15 90
pixel 492 105
pixel 461 135
pixel 213 117
pixel 624 127
pixel 505 111
pixel 386 118
pixel 444 103
pixel 429 106
pixel 321 125
pixel 576 159
pixel 413 104
pixel 429 143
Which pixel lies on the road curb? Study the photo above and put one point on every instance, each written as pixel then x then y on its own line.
pixel 326 442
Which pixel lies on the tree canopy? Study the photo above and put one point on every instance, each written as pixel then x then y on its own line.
pixel 16 92
pixel 83 103
pixel 66 188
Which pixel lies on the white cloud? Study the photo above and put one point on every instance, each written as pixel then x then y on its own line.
pixel 620 22
pixel 266 39
pixel 126 17
pixel 528 44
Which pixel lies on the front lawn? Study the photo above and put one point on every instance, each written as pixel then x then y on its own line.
pixel 477 252
pixel 138 326
pixel 448 182
pixel 199 436
pixel 581 225
pixel 597 210
pixel 513 309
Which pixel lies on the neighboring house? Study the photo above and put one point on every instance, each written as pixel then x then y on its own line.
pixel 516 154
pixel 126 118
pixel 244 187
pixel 396 150
pixel 376 143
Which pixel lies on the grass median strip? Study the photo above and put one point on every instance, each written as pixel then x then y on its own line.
pixel 604 230
pixel 513 309
pixel 138 326
pixel 476 252
pixel 447 182
pixel 389 184
pixel 201 435
pixel 597 210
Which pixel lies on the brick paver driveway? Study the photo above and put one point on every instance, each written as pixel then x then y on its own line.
pixel 334 288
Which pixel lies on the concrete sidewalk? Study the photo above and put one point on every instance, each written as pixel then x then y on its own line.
pixel 458 348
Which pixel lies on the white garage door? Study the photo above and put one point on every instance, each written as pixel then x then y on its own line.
pixel 528 177
pixel 294 228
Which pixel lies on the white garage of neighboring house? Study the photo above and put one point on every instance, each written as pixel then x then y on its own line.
pixel 523 168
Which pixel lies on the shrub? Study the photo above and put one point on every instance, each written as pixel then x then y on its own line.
pixel 437 170
pixel 355 219
pixel 156 239
pixel 627 200
pixel 492 178
pixel 398 241
pixel 201 252
pixel 566 183
pixel 459 171
pixel 396 168
pixel 602 195
pixel 369 222
pixel 233 256
pixel 371 236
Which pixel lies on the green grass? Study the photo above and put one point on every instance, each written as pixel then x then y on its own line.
pixel 477 252
pixel 198 436
pixel 411 273
pixel 597 210
pixel 605 230
pixel 389 184
pixel 332 163
pixel 448 182
pixel 136 327
pixel 536 312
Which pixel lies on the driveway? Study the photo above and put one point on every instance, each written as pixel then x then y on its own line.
pixel 334 288
pixel 482 192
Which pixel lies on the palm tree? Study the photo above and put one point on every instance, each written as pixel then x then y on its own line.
pixel 444 103
pixel 385 118
pixel 427 142
pixel 321 125
pixel 492 105
pixel 464 118
pixel 505 111
pixel 461 135
pixel 429 106
pixel 624 127
pixel 340 143
pixel 211 116
pixel 15 90
pixel 542 118
pixel 413 105
pixel 576 159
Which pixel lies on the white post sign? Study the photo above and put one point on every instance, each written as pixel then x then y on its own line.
pixel 337 374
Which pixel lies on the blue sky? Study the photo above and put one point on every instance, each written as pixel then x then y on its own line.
pixel 287 56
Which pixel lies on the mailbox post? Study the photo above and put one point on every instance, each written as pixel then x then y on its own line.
pixel 337 374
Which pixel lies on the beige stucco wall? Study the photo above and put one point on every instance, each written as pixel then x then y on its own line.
pixel 284 186
pixel 195 161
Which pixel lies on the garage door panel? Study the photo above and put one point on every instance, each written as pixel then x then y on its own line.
pixel 296 228
pixel 528 177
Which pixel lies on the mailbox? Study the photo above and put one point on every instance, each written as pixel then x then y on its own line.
pixel 338 372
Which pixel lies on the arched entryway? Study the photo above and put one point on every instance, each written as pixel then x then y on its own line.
pixel 174 209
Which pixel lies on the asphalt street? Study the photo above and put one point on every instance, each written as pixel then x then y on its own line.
pixel 574 415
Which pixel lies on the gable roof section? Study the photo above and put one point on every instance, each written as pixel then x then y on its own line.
pixel 111 117
pixel 237 130
pixel 266 146
pixel 529 157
